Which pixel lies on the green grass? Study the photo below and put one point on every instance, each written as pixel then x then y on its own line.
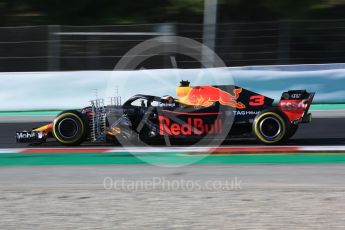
pixel 172 158
pixel 30 113
pixel 327 107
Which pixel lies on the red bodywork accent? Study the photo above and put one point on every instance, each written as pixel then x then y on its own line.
pixel 295 110
pixel 207 95
pixel 193 126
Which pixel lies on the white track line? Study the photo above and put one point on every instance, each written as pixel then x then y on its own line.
pixel 324 148
pixel 14 150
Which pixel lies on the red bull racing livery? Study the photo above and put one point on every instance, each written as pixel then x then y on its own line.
pixel 197 112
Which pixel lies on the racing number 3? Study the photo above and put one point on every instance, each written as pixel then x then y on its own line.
pixel 257 100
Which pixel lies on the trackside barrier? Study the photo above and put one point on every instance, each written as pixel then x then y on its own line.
pixel 20 91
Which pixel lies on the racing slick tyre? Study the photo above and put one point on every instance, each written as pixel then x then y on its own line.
pixel 148 136
pixel 270 127
pixel 70 128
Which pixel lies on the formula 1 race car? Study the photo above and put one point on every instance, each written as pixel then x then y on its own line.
pixel 198 112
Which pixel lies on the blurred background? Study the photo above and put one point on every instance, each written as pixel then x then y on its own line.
pixel 54 35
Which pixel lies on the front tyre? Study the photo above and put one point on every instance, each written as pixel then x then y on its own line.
pixel 69 128
pixel 270 127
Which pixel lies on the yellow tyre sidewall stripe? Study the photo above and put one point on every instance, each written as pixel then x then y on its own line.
pixel 258 134
pixel 62 116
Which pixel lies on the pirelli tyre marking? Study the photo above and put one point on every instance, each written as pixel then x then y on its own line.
pixel 269 127
pixel 69 128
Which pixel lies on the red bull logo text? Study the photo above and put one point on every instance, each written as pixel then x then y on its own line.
pixel 193 126
pixel 207 95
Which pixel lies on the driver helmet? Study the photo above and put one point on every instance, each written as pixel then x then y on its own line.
pixel 168 99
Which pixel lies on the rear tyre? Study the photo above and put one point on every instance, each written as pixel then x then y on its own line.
pixel 70 128
pixel 270 127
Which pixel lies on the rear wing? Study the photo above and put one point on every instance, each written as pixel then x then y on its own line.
pixel 295 105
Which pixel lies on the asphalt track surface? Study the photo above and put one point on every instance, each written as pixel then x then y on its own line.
pixel 322 131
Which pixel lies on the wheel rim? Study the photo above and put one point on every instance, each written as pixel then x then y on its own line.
pixel 68 128
pixel 270 128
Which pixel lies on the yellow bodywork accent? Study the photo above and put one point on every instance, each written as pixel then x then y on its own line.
pixel 183 91
pixel 45 128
